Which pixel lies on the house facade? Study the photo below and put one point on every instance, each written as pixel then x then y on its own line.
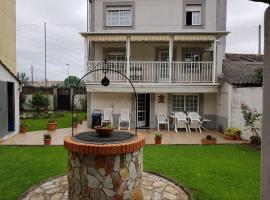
pixel 9 84
pixel 172 51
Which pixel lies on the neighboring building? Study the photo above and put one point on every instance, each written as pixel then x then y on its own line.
pixel 171 50
pixel 239 85
pixel 9 84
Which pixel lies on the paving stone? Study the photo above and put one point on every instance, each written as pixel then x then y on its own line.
pixel 154 188
pixel 124 174
pixel 117 164
pixel 132 171
pixel 95 173
pixel 108 182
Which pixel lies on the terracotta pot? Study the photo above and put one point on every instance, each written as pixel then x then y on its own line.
pixel 104 132
pixel 157 140
pixel 237 137
pixel 51 126
pixel 23 129
pixel 205 141
pixel 229 137
pixel 47 141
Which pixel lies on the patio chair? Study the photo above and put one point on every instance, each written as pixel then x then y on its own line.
pixel 107 116
pixel 181 121
pixel 162 119
pixel 195 121
pixel 124 118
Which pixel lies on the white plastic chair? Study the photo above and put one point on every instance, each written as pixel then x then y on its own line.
pixel 195 121
pixel 181 121
pixel 124 117
pixel 162 119
pixel 107 116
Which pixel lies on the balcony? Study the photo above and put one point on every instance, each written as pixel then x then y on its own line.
pixel 148 72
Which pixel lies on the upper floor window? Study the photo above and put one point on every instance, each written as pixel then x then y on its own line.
pixel 193 15
pixel 119 16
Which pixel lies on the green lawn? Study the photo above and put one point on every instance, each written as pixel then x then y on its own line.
pixel 211 172
pixel 41 124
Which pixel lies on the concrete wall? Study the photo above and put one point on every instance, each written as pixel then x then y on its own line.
pixel 252 96
pixel 161 15
pixel 224 102
pixel 8 33
pixel 5 76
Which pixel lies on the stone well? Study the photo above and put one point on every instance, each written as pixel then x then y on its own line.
pixel 103 170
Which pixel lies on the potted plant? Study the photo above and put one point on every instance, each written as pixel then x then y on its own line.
pixel 158 137
pixel 23 128
pixel 232 133
pixel 47 138
pixel 51 125
pixel 104 131
pixel 209 140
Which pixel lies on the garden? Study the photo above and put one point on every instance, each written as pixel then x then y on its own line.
pixel 224 172
pixel 38 116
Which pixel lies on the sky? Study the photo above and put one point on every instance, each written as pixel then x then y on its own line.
pixel 66 18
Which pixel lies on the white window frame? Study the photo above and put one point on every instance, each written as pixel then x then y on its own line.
pixel 185 104
pixel 196 14
pixel 119 10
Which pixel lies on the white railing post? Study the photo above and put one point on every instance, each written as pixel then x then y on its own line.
pixel 214 67
pixel 128 56
pixel 170 57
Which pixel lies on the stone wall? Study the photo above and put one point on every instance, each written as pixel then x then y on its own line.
pixel 94 177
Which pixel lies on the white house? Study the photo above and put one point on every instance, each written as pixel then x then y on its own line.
pixel 239 85
pixel 171 50
pixel 9 84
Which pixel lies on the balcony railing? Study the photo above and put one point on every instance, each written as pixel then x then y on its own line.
pixel 154 72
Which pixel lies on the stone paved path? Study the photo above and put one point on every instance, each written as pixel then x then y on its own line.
pixel 154 188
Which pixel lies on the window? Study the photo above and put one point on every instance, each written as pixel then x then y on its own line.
pixel 192 56
pixel 119 16
pixel 193 15
pixel 116 56
pixel 185 103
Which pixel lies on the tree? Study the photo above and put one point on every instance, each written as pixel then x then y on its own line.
pixel 71 81
pixel 23 78
pixel 39 102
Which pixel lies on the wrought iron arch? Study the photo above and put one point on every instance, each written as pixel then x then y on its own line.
pixel 105 70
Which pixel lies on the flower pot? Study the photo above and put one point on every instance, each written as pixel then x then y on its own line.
pixel 157 140
pixel 237 137
pixel 205 141
pixel 23 129
pixel 104 132
pixel 229 137
pixel 51 126
pixel 47 141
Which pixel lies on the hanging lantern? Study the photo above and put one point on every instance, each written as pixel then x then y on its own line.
pixel 105 81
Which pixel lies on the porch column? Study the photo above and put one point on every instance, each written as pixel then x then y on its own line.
pixel 128 55
pixel 86 54
pixel 265 172
pixel 170 57
pixel 214 62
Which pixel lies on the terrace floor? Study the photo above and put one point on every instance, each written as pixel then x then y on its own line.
pixel 36 137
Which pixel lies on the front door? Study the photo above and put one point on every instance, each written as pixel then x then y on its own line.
pixel 163 57
pixel 143 110
pixel 3 109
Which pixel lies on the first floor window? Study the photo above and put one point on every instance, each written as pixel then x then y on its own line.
pixel 193 15
pixel 185 103
pixel 119 16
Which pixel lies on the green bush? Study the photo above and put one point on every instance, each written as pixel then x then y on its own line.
pixel 39 102
pixel 232 131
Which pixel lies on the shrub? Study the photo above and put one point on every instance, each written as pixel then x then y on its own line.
pixel 232 131
pixel 39 102
pixel 47 136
